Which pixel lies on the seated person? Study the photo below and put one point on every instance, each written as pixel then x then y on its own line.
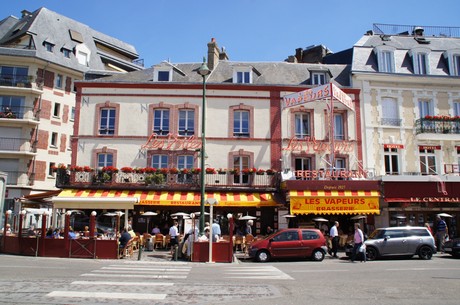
pixel 124 238
pixel 31 232
pixel 72 234
pixel 156 230
pixel 205 236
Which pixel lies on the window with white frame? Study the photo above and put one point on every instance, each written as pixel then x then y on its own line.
pixel 426 107
pixel 318 78
pixel 339 126
pixel 240 163
pixel 241 123
pixel 186 122
pixel 184 162
pixel 11 76
pixel 391 156
pixel 303 164
pixel 456 65
pixel 52 169
pixel 340 163
pixel 161 121
pixel 390 112
pixel 385 59
pixel 302 125
pixel 427 161
pixel 12 106
pixel 160 161
pixel 72 113
pixel 162 75
pixel 83 54
pixel 66 52
pixel 242 75
pixel 107 121
pixel 421 63
pixel 48 46
pixel 104 159
pixel 453 61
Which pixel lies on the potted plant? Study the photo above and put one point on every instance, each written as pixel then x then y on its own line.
pixel 222 171
pixel 173 170
pixel 210 170
pixel 126 169
pixel 260 172
pixel 270 171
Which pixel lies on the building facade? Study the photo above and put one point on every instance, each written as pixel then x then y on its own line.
pixel 150 120
pixel 42 54
pixel 409 81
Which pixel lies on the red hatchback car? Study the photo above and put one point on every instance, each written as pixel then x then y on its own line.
pixel 287 243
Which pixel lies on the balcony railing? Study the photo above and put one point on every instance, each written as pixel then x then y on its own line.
pixel 390 122
pixel 18 112
pixel 16 144
pixel 17 178
pixel 95 179
pixel 16 80
pixel 445 126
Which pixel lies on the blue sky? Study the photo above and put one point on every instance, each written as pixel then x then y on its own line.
pixel 250 30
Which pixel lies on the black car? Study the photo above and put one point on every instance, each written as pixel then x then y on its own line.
pixel 453 247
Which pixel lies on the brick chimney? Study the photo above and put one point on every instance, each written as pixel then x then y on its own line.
pixel 213 54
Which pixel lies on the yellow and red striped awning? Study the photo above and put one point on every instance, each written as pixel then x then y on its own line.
pixel 171 198
pixel 334 202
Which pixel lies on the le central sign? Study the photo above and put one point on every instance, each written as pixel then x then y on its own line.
pixel 172 142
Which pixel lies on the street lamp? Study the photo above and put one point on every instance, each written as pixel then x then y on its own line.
pixel 203 71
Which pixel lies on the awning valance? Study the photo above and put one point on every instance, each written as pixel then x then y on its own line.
pixel 334 202
pixel 94 199
pixel 116 199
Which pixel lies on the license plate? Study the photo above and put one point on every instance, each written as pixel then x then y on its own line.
pixel 447 249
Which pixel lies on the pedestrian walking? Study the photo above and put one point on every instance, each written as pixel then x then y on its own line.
pixel 334 236
pixel 359 244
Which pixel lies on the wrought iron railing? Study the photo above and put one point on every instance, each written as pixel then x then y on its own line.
pixel 434 31
pixel 445 126
pixel 390 122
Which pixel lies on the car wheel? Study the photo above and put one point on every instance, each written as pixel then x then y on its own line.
pixel 371 253
pixel 263 256
pixel 318 255
pixel 425 252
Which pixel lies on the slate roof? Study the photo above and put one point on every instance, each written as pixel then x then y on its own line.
pixel 264 73
pixel 365 59
pixel 44 24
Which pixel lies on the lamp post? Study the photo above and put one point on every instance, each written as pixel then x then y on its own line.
pixel 203 71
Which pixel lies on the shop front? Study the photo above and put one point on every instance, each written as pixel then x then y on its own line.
pixel 416 203
pixel 334 200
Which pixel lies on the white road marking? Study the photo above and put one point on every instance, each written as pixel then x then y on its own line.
pixel 311 271
pixel 101 283
pixel 261 273
pixel 108 295
pixel 148 276
pixel 147 269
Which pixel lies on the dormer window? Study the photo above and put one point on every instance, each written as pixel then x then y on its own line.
pixel 318 78
pixel 420 60
pixel 242 75
pixel 453 61
pixel 163 75
pixel 48 46
pixel 385 59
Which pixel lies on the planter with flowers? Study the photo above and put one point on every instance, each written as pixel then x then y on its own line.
pixel 222 171
pixel 249 171
pixel 260 172
pixel 210 171
pixel 270 172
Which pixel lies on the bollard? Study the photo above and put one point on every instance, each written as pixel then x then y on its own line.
pixel 139 256
pixel 176 252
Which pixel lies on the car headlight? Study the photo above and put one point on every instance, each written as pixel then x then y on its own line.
pixel 457 244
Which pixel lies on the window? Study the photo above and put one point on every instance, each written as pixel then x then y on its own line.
pixel 186 122
pixel 390 112
pixel 241 123
pixel 58 83
pixel 340 163
pixel 457 108
pixel 48 46
pixel 82 58
pixel 427 161
pixel 161 122
pixel 391 156
pixel 72 114
pixel 160 161
pixel 107 121
pixel 66 52
pixel 339 127
pixel 104 159
pixel 54 137
pixel 184 162
pixel 302 125
pixel 57 110
pixel 240 163
pixel 456 64
pixel 242 75
pixel 286 236
pixel 11 76
pixel 453 61
pixel 51 169
pixel 163 76
pixel 426 107
pixel 12 105
pixel 420 61
pixel 385 61
pixel 303 164
pixel 318 78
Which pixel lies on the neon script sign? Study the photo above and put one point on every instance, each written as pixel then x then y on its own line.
pixel 172 142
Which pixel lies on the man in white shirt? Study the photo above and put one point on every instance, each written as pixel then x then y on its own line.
pixel 174 233
pixel 334 236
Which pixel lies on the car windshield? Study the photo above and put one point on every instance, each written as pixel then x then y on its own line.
pixel 376 234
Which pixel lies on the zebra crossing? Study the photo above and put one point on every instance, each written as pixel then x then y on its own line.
pixel 257 273
pixel 127 281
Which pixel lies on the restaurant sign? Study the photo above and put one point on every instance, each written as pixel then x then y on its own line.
pixel 311 145
pixel 334 205
pixel 172 142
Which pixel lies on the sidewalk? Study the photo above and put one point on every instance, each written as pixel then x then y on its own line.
pixel 164 255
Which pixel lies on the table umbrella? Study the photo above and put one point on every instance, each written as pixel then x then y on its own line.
pixel 320 219
pixel 358 217
pixel 247 217
pixel 444 215
pixel 289 216
pixel 148 214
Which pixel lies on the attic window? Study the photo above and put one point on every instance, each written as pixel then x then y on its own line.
pixel 242 75
pixel 49 46
pixel 76 36
pixel 163 75
pixel 66 52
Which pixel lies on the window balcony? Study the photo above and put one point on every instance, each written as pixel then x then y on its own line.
pixel 18 113
pixel 17 178
pixel 215 181
pixel 438 125
pixel 390 122
pixel 17 145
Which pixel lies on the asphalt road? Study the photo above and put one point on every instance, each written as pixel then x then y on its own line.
pixel 30 280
